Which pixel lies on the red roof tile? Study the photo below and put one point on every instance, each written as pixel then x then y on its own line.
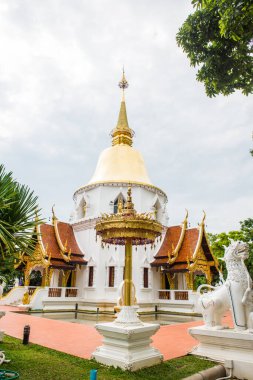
pixel 68 239
pixel 178 267
pixel 49 241
pixel 186 250
pixel 188 246
pixel 169 242
pixel 61 264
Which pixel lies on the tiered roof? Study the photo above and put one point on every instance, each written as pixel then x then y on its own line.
pixel 56 248
pixel 58 244
pixel 183 247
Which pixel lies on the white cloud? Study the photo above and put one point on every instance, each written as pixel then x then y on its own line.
pixel 59 68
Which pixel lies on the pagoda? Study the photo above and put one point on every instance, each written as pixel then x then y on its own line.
pixel 69 255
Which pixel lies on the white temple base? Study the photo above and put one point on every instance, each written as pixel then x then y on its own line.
pixel 126 342
pixel 226 346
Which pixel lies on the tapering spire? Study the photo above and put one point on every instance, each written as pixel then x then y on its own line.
pixel 122 134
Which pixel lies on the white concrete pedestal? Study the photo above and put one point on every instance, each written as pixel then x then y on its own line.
pixel 2 313
pixel 226 345
pixel 126 342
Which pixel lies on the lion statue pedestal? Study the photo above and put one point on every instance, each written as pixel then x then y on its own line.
pixel 217 341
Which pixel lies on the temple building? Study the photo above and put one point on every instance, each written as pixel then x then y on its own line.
pixel 57 256
pixel 75 267
pixel 183 255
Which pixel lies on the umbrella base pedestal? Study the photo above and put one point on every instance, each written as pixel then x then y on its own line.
pixel 126 342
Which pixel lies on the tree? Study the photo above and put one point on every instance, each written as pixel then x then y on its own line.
pixel 219 241
pixel 18 208
pixel 247 230
pixel 8 273
pixel 218 38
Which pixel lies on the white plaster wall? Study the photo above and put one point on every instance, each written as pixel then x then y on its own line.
pixel 80 280
pixel 100 200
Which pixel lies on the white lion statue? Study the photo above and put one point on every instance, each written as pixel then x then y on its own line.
pixel 235 293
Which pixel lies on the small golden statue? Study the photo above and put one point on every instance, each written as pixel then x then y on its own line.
pixel 120 205
pixel 26 299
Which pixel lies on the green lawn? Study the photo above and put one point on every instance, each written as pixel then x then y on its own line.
pixel 34 362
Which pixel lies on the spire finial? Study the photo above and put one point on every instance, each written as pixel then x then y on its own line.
pixel 123 84
pixel 122 134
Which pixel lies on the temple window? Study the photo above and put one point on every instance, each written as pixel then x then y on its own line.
pixel 118 204
pixel 35 278
pixel 82 208
pixel 91 276
pixel 157 210
pixel 145 277
pixel 111 277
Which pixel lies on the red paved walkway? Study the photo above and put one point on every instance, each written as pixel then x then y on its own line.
pixel 81 340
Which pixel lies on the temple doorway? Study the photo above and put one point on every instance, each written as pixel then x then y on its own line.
pixel 35 278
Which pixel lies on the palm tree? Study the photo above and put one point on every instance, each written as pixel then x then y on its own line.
pixel 18 208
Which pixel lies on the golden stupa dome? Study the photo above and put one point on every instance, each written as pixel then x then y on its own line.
pixel 121 162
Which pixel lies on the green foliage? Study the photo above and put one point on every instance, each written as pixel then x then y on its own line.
pixel 198 280
pixel 36 362
pixel 220 241
pixel 247 230
pixel 18 207
pixel 8 272
pixel 218 38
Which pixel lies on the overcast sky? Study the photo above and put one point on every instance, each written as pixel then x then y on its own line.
pixel 60 63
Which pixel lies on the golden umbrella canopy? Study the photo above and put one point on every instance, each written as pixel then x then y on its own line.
pixel 127 225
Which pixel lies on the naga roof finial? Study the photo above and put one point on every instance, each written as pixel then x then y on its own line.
pixel 185 221
pixel 54 218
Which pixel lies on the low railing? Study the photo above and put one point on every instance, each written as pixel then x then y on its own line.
pixel 71 292
pixel 164 294
pixel 31 290
pixel 62 292
pixel 181 295
pixel 177 295
pixel 54 292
